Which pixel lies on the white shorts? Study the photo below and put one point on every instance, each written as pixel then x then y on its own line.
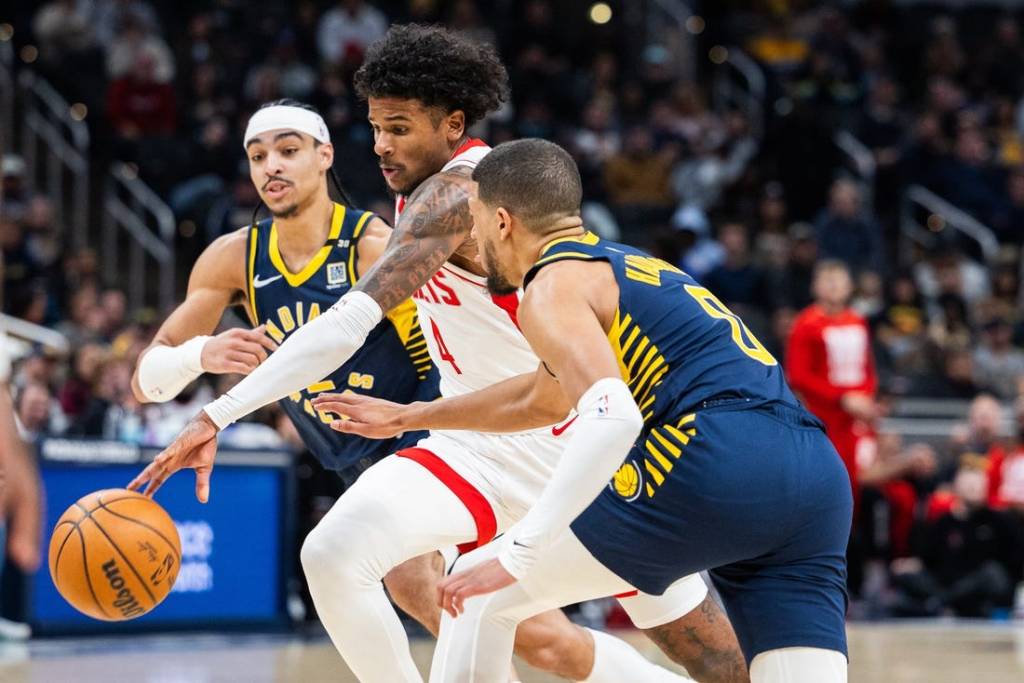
pixel 509 471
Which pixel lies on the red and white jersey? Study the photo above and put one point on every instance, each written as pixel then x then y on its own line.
pixel 474 341
pixel 473 336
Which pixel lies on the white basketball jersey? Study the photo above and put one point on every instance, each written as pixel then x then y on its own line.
pixel 473 336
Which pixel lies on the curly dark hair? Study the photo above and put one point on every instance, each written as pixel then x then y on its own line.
pixel 438 67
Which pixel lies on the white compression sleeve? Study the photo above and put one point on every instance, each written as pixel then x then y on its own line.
pixel 165 370
pixel 609 423
pixel 312 352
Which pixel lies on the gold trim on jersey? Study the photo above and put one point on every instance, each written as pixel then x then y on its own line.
pixel 641 364
pixel 315 263
pixel 352 276
pixel 405 320
pixel 254 234
pixel 588 238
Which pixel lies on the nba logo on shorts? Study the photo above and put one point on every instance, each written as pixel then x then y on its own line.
pixel 336 275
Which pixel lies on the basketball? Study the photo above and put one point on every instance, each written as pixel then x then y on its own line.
pixel 114 554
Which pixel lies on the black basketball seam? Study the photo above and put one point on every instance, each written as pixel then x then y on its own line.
pixel 74 526
pixel 99 499
pixel 88 579
pixel 126 561
pixel 147 526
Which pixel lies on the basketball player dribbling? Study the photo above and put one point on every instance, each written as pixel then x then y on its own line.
pixel 425 86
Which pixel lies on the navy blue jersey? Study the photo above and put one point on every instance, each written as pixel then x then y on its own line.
pixel 393 364
pixel 677 345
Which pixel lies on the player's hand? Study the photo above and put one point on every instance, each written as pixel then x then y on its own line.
pixel 373 418
pixel 236 351
pixel 860 405
pixel 484 578
pixel 195 447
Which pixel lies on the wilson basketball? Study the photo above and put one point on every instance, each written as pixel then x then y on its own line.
pixel 114 554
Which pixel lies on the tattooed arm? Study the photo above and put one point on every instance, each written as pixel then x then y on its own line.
pixel 434 226
pixel 435 223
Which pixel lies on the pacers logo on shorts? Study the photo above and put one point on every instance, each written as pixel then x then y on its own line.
pixel 626 481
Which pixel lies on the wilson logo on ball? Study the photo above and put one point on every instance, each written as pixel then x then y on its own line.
pixel 124 601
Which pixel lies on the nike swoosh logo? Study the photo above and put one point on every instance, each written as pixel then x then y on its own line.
pixel 557 430
pixel 257 282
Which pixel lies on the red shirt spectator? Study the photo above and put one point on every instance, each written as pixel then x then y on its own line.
pixel 830 365
pixel 139 106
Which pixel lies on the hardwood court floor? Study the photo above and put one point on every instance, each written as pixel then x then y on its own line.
pixel 919 652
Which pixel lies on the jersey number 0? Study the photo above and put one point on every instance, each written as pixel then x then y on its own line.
pixel 741 334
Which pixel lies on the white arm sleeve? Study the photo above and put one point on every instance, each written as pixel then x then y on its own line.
pixel 609 424
pixel 165 370
pixel 312 352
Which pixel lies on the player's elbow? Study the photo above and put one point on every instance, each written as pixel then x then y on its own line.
pixel 137 392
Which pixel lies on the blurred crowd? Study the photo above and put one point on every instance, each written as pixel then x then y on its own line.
pixel 750 201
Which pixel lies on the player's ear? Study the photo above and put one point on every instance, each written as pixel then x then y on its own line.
pixel 326 155
pixel 455 124
pixel 504 221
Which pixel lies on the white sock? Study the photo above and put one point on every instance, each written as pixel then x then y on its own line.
pixel 616 660
pixel 799 665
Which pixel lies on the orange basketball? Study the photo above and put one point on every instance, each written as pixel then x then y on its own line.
pixel 114 554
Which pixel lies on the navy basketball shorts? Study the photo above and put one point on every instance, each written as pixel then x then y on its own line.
pixel 757 495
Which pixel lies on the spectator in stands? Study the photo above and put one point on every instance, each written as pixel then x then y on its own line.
pixel 594 143
pixel 984 427
pixel 791 280
pixel 999 366
pixel 829 363
pixel 1009 217
pixel 892 477
pixel 637 180
pixel 346 30
pixel 1006 465
pixel 698 252
pixel 737 281
pixel 76 394
pixel 949 328
pixel 965 559
pixel 901 332
pixel 32 406
pixel 968 180
pixel 847 232
pixel 139 105
pixel 295 78
pixel 946 271
pixel 19 268
pixel 1001 64
pixel 12 183
pixel 85 321
pixel 135 41
pixel 883 129
pixel 108 16
pixel 64 30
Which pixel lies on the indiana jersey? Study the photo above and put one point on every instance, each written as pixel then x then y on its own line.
pixel 393 364
pixel 677 345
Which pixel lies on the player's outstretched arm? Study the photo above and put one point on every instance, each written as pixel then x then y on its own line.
pixel 524 402
pixel 574 345
pixel 181 349
pixel 435 223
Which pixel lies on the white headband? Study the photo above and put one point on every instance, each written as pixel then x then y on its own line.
pixel 285 116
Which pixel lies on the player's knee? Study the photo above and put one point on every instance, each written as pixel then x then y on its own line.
pixel 327 555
